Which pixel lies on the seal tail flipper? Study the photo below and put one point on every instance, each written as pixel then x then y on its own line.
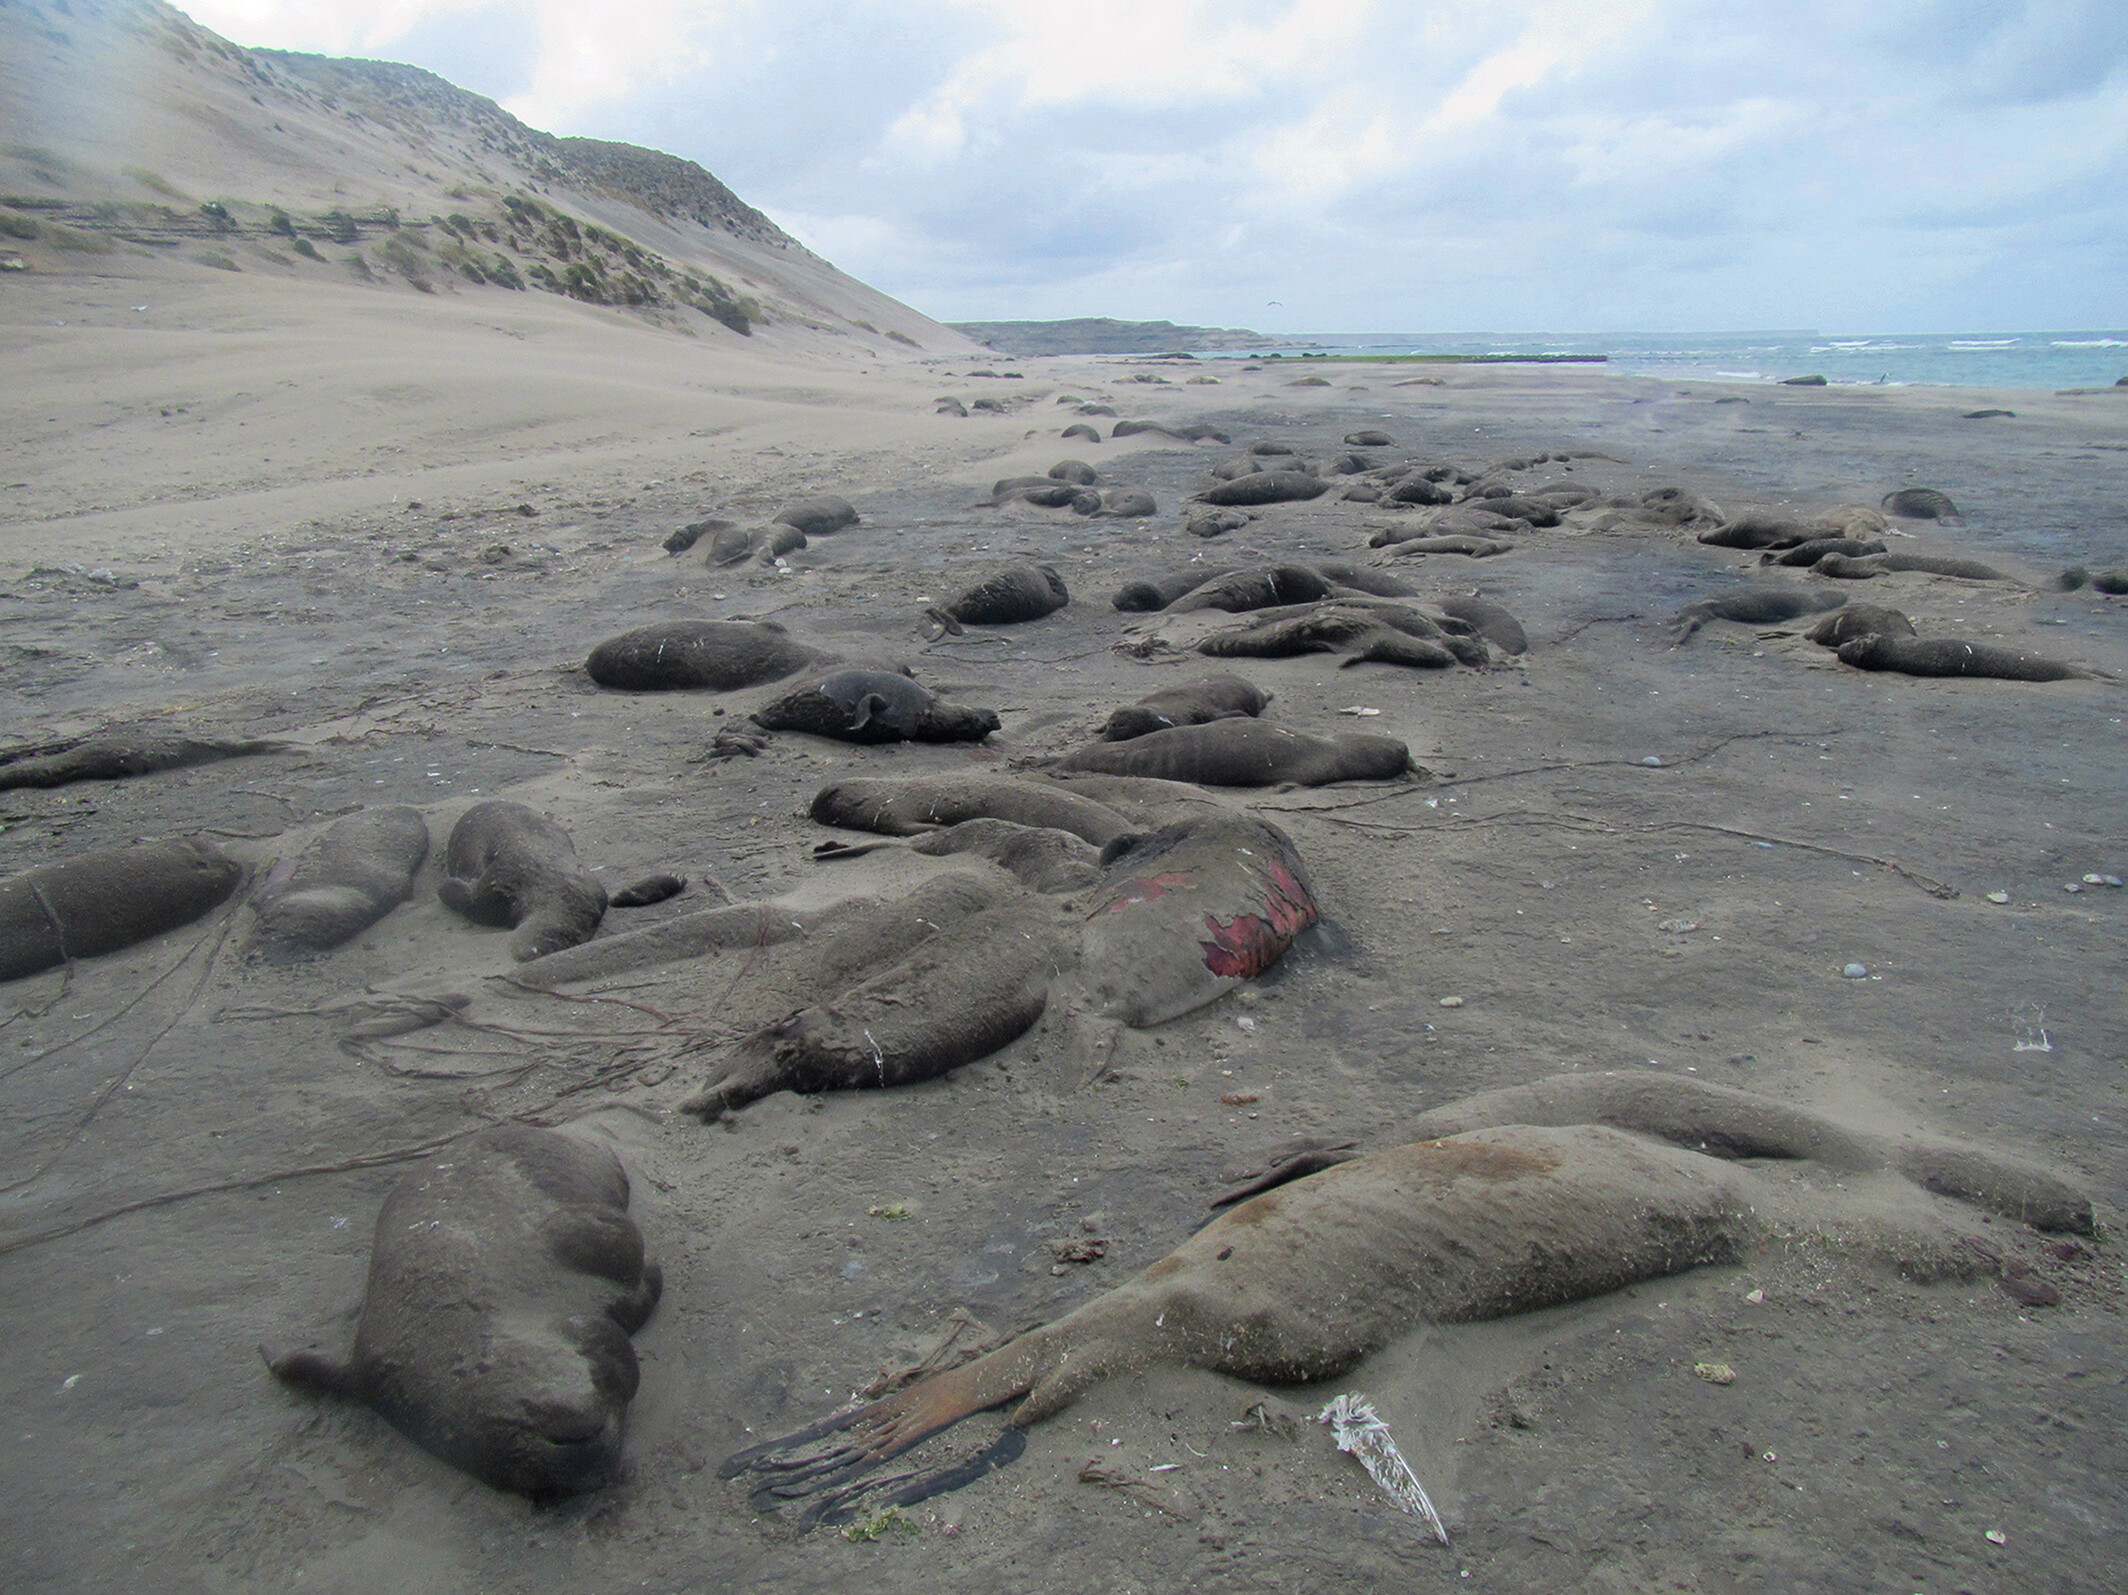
pixel 307 1369
pixel 864 709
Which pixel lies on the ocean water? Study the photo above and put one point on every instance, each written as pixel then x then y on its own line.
pixel 2040 360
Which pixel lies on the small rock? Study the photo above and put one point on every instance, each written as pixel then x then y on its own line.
pixel 1856 971
pixel 1652 762
pixel 2109 880
pixel 1996 1537
pixel 1757 1298
pixel 2072 886
pixel 1451 1002
pixel 1998 897
pixel 1715 1373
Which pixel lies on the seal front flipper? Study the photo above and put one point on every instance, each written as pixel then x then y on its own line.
pixel 308 1369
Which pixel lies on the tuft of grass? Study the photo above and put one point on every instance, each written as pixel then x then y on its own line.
pixel 903 337
pixel 216 259
pixel 305 247
pixel 16 226
pixel 61 237
pixel 155 183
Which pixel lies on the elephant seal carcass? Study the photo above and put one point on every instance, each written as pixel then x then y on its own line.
pixel 509 865
pixel 349 878
pixel 874 706
pixel 504 1281
pixel 103 901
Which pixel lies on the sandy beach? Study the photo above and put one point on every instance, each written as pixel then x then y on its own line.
pixel 1626 854
pixel 367 501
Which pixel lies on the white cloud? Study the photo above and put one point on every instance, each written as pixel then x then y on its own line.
pixel 1433 163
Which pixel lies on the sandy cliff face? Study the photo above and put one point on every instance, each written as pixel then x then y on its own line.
pixel 127 131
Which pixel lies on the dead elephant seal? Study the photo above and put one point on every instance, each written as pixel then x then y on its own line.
pixel 1192 703
pixel 1266 487
pixel 1818 547
pixel 957 997
pixel 1245 752
pixel 1921 504
pixel 1155 594
pixel 1303 1282
pixel 1850 621
pixel 930 803
pixel 1189 912
pixel 509 865
pixel 107 900
pixel 720 655
pixel 357 872
pixel 1946 656
pixel 1009 595
pixel 1253 587
pixel 817 517
pixel 1971 570
pixel 874 706
pixel 121 758
pixel 1755 606
pixel 504 1281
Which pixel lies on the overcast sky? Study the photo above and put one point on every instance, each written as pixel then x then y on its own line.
pixel 1359 165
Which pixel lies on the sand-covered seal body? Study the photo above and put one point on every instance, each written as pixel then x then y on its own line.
pixel 1754 530
pixel 1363 635
pixel 1192 703
pixel 1921 504
pixel 1759 605
pixel 1009 595
pixel 1947 656
pixel 1365 579
pixel 1246 752
pixel 1266 487
pixel 1971 570
pixel 104 901
pixel 1447 543
pixel 1818 547
pixel 508 865
pixel 1156 593
pixel 818 517
pixel 957 997
pixel 716 655
pixel 1042 858
pixel 1253 587
pixel 349 878
pixel 928 803
pixel 874 706
pixel 1492 622
pixel 1850 621
pixel 122 758
pixel 764 544
pixel 1188 913
pixel 504 1281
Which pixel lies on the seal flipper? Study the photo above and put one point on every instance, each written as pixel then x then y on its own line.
pixel 865 709
pixel 309 1369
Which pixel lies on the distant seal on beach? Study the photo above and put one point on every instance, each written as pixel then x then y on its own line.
pixel 1080 430
pixel 817 517
pixel 106 900
pixel 358 871
pixel 1818 547
pixel 1850 621
pixel 736 544
pixel 123 757
pixel 1365 579
pixel 1369 440
pixel 505 1278
pixel 1119 503
pixel 1365 636
pixel 1755 530
pixel 1191 703
pixel 874 706
pixel 1253 587
pixel 1452 543
pixel 689 535
pixel 1245 752
pixel 1075 471
pixel 1156 593
pixel 508 865
pixel 1009 595
pixel 1946 656
pixel 1971 570
pixel 1129 429
pixel 719 655
pixel 1495 624
pixel 1763 605
pixel 2112 582
pixel 1266 487
pixel 905 807
pixel 1205 520
pixel 1416 487
pixel 1920 504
